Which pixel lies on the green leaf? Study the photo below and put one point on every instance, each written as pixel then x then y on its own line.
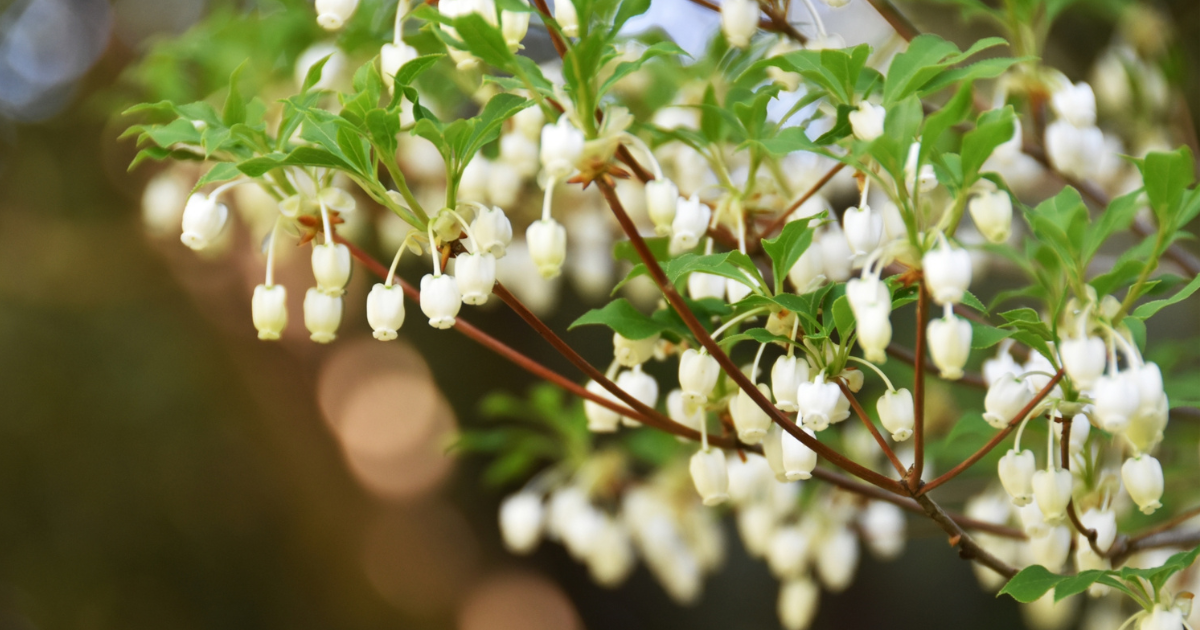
pixel 628 9
pixel 993 128
pixel 1166 177
pixel 927 57
pixel 843 316
pixel 985 69
pixel 1148 309
pixel 301 156
pixel 623 318
pixel 984 336
pixel 235 103
pixel 952 113
pixel 314 74
pixel 1030 584
pixel 659 246
pixel 487 124
pixel 220 172
pixel 628 67
pixel 734 265
pixel 177 131
pixel 787 248
pixel 1116 218
pixel 384 126
pixel 411 70
pixel 484 40
pixel 760 335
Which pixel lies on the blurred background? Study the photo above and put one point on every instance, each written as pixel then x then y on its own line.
pixel 162 468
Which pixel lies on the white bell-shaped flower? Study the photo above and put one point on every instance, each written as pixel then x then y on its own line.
pixel 1084 359
pixel 947 273
pixel 600 419
pixel 755 524
pixel 385 310
pixel 871 302
pixel 698 374
pixel 837 559
pixel 475 275
pixel 521 517
pixel 709 476
pixel 923 179
pixel 1074 151
pixel 809 271
pixel 1163 617
pixel 631 352
pixel 798 600
pixel 529 122
pixel 750 480
pixel 662 199
pixel 992 213
pixel 612 558
pixel 440 300
pixel 788 457
pixel 749 419
pixel 562 146
pixel 867 121
pixel 787 553
pixel 819 403
pixel 950 345
pixel 331 267
pixel 203 220
pixel 1143 477
pixel 1016 475
pixel 854 378
pixel 736 291
pixel 567 18
pixel 706 285
pixel 1150 388
pixel 268 309
pixel 1104 523
pixel 739 21
pixel 332 15
pixel 1080 428
pixel 786 375
pixel 1005 399
pixel 883 528
pixel 392 57
pixel 836 257
pixel 895 409
pixel 863 229
pixel 641 386
pixel 1032 520
pixel 492 231
pixel 322 315
pixel 1052 491
pixel 547 240
pixel 1117 398
pixel 1003 364
pixel 513 26
pixel 682 412
pixel 520 152
pixel 1076 104
pixel 1052 549
pixel 690 224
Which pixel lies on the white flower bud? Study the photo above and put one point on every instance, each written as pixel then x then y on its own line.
pixel 992 213
pixel 1084 359
pixel 756 523
pixel 1032 520
pixel 749 481
pixel 863 230
pixel 896 413
pixel 641 386
pixel 1080 428
pixel 788 457
pixel 739 21
pixel 947 273
pixel 1005 399
pixel 709 475
pixel 332 15
pixel 322 315
pixel 924 179
pixel 1088 560
pixel 521 518
pixel 706 285
pixel 579 531
pixel 698 374
pixel 1117 399
pixel 798 601
pixel 492 231
pixel 1053 549
pixel 1163 618
pixel 786 376
pixel 1076 104
pixel 1150 388
pixel 392 58
pixel 519 152
pixel 871 302
pixel 836 257
pixel 950 345
pixel 867 121
pixel 837 559
pixel 854 378
pixel 567 18
pixel 331 267
pixel 883 527
pixel 514 25
pixel 475 275
pixel 1052 491
pixel 1104 523
pixel 749 419
pixel 440 300
pixel 736 291
pixel 385 310
pixel 787 553
pixel 690 224
pixel 1143 477
pixel 662 198
pixel 1003 364
pixel 203 220
pixel 1074 151
pixel 268 309
pixel 819 403
pixel 611 559
pixel 547 240
pixel 809 272
pixel 529 121
pixel 632 352
pixel 1016 475
pixel 689 415
pixel 600 419
pixel 562 147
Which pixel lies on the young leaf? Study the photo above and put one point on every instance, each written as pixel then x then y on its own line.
pixel 1166 177
pixel 623 318
pixel 235 103
pixel 1148 309
pixel 1030 584
pixel 993 128
pixel 787 248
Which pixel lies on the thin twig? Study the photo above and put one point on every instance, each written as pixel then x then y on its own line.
pixel 883 445
pixel 918 467
pixel 782 219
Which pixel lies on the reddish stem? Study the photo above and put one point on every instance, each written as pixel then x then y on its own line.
pixel 918 467
pixel 782 219
pixel 862 415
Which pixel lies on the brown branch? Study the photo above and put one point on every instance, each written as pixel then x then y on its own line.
pixel 968 549
pixel 689 319
pixel 996 439
pixel 918 467
pixel 858 410
pixel 782 219
pixel 547 18
pixel 901 24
